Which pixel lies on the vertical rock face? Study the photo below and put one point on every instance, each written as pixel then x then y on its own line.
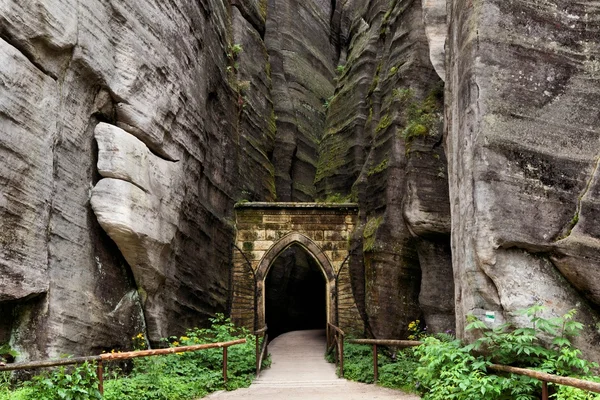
pixel 523 143
pixel 382 145
pixel 302 63
pixel 169 151
pixel 129 129
pixel 436 29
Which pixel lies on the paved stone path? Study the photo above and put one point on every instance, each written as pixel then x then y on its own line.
pixel 299 371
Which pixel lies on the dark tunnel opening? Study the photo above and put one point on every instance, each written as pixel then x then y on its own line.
pixel 295 293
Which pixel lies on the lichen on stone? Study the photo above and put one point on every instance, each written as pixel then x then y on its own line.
pixel 370 233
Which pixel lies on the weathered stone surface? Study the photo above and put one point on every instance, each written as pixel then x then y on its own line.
pixel 302 64
pixel 264 232
pixel 138 206
pixel 523 144
pixel 436 29
pixel 254 12
pixel 401 184
pixel 256 115
pixel 157 70
pixel 28 108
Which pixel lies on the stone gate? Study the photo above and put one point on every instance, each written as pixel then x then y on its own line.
pixel 265 230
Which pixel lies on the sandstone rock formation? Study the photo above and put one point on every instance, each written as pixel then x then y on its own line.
pixel 128 130
pixel 159 72
pixel 523 146
pixel 138 204
pixel 398 178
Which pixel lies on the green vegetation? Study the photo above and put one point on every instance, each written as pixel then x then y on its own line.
pixel 375 81
pixel 382 166
pixel 234 51
pixel 396 371
pixel 327 102
pixel 384 123
pixel 403 95
pixel 338 198
pixel 383 31
pixel 263 9
pixel 340 69
pixel 370 233
pixel 422 117
pixel 174 377
pixel 7 353
pixel 444 368
pixel 570 227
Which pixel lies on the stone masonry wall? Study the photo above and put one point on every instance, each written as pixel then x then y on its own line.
pixel 261 226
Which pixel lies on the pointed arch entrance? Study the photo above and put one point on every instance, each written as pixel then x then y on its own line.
pixel 314 251
pixel 265 230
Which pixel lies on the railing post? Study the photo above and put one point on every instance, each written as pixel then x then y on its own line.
pixel 342 356
pixel 375 366
pixel 544 390
pixel 100 373
pixel 336 350
pixel 257 355
pixel 225 364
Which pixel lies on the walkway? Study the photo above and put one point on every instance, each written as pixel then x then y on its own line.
pixel 299 371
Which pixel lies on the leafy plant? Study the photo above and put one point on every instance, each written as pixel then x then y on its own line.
pixel 444 368
pixel 450 370
pixel 7 353
pixel 75 383
pixel 328 101
pixel 395 372
pixel 181 376
pixel 234 51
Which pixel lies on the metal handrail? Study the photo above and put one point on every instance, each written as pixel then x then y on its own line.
pixel 541 376
pixel 106 357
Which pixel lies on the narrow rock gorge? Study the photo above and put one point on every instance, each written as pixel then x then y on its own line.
pixel 468 131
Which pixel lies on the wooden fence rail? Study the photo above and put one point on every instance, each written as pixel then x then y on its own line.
pixel 545 378
pixel 107 357
pixel 335 337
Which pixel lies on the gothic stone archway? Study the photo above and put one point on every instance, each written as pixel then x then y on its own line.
pixel 265 230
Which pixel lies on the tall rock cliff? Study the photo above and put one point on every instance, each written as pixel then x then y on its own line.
pixel 383 147
pixel 134 119
pixel 128 130
pixel 523 143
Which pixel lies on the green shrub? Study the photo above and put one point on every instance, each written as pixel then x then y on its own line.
pixel 358 363
pixel 73 383
pixel 180 376
pixel 444 368
pixel 394 372
pixel 450 370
